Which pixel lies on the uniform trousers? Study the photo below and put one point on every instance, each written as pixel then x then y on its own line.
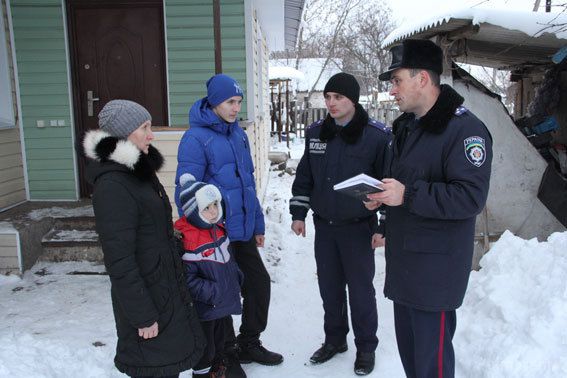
pixel 425 341
pixel 345 258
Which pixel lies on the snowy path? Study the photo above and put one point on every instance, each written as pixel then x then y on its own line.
pixel 512 323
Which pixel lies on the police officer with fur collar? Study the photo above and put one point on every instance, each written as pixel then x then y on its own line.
pixel 344 144
pixel 438 182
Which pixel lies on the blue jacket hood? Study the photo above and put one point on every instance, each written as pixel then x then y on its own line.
pixel 201 115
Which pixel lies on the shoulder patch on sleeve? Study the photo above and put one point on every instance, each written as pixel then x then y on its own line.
pixel 460 110
pixel 315 124
pixel 475 150
pixel 379 125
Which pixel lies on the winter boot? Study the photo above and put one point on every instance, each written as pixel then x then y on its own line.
pixel 326 352
pixel 218 370
pixel 233 368
pixel 364 363
pixel 253 351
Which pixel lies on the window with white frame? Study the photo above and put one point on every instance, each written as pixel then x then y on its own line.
pixel 6 99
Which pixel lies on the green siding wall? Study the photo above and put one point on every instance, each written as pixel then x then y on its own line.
pixel 191 54
pixel 44 93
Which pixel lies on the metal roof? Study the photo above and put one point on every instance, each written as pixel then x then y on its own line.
pixel 487 44
pixel 293 10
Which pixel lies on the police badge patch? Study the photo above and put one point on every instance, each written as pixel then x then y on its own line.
pixel 475 150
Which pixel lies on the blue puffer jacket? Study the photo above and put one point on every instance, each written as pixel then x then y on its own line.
pixel 218 153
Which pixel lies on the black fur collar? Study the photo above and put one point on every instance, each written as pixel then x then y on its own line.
pixel 351 132
pixel 438 117
pixel 102 147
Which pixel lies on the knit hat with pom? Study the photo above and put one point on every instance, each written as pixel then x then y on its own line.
pixel 222 87
pixel 195 196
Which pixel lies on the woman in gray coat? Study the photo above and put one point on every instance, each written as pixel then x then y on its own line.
pixel 158 332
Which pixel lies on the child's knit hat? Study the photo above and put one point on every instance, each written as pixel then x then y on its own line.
pixel 195 196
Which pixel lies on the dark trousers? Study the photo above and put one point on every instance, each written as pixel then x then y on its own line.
pixel 255 293
pixel 345 258
pixel 215 334
pixel 425 341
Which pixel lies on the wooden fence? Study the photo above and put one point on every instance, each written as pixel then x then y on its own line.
pixel 296 120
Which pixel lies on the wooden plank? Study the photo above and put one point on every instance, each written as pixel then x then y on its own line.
pixel 11 173
pixel 54 186
pixel 49 153
pixel 10 135
pixel 43 78
pixel 44 164
pixel 11 161
pixel 9 263
pixel 168 147
pixel 12 199
pixel 48 141
pixel 63 195
pixel 7 149
pixel 12 186
pixel 8 241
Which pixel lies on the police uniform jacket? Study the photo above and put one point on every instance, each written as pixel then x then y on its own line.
pixel 333 154
pixel 444 164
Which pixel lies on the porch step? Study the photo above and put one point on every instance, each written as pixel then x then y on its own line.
pixel 72 239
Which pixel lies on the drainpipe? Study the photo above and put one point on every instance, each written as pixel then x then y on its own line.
pixel 217 33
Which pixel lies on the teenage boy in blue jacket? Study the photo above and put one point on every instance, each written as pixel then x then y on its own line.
pixel 216 150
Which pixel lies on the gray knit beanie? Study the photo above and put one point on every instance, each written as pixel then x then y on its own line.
pixel 120 118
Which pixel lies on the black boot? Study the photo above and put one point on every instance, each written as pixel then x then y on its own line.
pixel 253 351
pixel 364 363
pixel 233 368
pixel 326 352
pixel 218 370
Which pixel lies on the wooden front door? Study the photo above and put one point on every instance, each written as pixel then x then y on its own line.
pixel 117 52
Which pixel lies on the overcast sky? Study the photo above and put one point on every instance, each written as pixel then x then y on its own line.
pixel 412 10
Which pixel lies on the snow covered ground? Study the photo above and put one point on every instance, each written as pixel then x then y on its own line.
pixel 512 324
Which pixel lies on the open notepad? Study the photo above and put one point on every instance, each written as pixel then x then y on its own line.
pixel 359 186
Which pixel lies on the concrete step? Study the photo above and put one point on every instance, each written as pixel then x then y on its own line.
pixel 72 239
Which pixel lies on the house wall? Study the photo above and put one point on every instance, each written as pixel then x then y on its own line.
pixel 167 142
pixel 191 55
pixel 12 183
pixel 9 252
pixel 41 55
pixel 517 169
pixel 258 130
pixel 43 76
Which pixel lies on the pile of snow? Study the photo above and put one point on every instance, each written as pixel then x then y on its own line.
pixel 514 317
pixel 512 323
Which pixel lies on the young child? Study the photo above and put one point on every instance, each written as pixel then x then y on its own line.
pixel 213 277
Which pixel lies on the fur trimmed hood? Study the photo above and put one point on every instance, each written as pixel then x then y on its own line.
pixel 103 148
pixel 350 132
pixel 438 117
